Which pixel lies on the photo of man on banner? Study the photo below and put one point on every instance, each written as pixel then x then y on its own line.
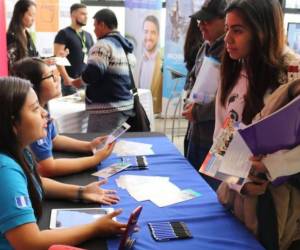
pixel 150 74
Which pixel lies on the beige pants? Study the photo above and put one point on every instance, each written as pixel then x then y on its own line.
pixel 287 203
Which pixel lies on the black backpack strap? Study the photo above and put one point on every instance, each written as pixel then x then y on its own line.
pixel 133 86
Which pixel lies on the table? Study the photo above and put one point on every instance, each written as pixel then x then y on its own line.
pixel 211 225
pixel 70 115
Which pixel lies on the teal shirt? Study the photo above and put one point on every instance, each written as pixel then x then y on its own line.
pixel 15 208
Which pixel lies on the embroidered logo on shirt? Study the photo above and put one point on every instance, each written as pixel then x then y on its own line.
pixel 40 142
pixel 22 201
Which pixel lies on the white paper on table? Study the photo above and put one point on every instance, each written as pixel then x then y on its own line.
pixel 207 81
pixel 125 181
pixel 62 61
pixel 128 148
pixel 239 153
pixel 174 197
pixel 138 192
pixel 149 191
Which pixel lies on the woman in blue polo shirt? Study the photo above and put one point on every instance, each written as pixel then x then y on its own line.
pixel 47 86
pixel 23 121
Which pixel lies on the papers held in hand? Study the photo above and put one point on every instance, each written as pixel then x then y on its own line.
pixel 114 135
pixel 207 81
pixel 228 158
pixel 61 61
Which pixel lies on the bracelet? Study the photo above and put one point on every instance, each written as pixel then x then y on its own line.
pixel 80 194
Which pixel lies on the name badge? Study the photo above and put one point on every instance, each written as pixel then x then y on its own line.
pixel 85 59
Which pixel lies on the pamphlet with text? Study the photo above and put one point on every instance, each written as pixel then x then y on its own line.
pixel 228 158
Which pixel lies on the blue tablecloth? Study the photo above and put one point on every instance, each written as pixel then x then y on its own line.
pixel 211 225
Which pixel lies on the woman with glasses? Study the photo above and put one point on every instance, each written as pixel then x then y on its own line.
pixel 23 121
pixel 47 86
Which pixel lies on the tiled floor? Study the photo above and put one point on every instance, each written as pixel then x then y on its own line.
pixel 174 129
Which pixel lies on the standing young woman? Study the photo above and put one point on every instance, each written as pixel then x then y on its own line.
pixel 47 86
pixel 23 121
pixel 19 41
pixel 254 65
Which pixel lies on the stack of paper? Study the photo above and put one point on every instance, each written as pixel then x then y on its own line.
pixel 228 158
pixel 129 148
pixel 207 81
pixel 157 189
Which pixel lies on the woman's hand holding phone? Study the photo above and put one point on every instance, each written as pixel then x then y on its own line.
pixel 98 143
pixel 104 152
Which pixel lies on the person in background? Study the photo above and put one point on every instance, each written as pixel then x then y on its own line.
pixel 76 43
pixel 47 86
pixel 256 63
pixel 192 44
pixel 23 121
pixel 109 101
pixel 150 74
pixel 201 117
pixel 19 40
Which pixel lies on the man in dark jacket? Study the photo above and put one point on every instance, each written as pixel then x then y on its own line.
pixel 211 21
pixel 109 101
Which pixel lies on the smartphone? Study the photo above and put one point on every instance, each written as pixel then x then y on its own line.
pixel 114 135
pixel 138 162
pixel 69 217
pixel 126 240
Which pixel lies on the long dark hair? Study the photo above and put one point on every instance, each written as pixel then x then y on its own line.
pixel 13 93
pixel 30 69
pixel 193 41
pixel 16 27
pixel 264 63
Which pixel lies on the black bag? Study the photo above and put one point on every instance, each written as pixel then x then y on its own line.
pixel 139 122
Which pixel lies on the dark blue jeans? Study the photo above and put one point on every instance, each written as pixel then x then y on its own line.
pixel 196 155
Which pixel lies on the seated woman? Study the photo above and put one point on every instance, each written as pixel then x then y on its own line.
pixel 47 86
pixel 23 121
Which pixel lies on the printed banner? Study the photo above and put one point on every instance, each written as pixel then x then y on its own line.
pixel 174 72
pixel 145 36
pixel 47 15
pixel 3 50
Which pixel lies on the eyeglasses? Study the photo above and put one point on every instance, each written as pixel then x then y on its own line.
pixel 49 76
